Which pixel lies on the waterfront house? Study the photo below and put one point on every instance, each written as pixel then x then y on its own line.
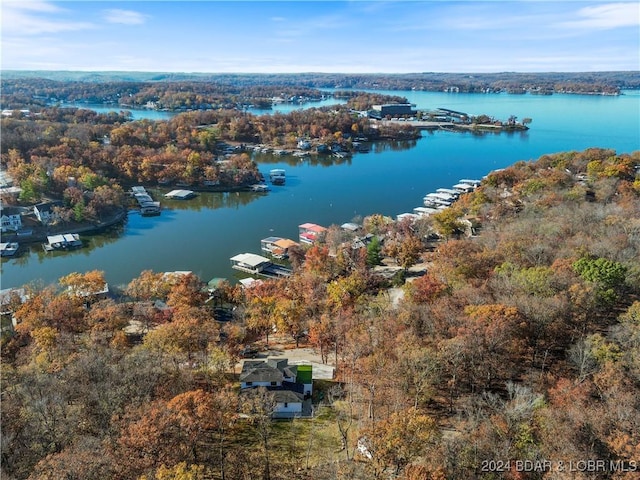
pixel 290 384
pixel 310 232
pixel 45 212
pixel 11 219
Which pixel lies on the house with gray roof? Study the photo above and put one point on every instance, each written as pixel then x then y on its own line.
pixel 291 385
pixel 44 211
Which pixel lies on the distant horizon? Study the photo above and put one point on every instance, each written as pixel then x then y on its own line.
pixel 170 72
pixel 346 37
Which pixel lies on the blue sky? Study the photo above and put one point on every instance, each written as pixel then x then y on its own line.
pixel 328 36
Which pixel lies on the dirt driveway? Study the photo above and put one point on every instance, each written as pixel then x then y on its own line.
pixel 298 356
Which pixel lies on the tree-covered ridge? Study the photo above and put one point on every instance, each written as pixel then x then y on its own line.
pixel 514 82
pixel 172 95
pixel 519 343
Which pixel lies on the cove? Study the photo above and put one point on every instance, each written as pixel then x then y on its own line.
pixel 203 233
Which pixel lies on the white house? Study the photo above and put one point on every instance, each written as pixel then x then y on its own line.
pixel 11 220
pixel 44 211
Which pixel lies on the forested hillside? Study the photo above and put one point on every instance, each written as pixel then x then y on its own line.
pixel 511 353
pixel 514 82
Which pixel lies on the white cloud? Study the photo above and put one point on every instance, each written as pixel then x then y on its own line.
pixel 125 17
pixel 606 16
pixel 34 18
pixel 34 5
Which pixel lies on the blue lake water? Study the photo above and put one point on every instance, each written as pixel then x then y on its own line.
pixel 203 233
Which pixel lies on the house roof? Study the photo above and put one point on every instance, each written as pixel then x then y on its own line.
pixel 312 227
pixel 287 396
pixel 317 229
pixel 180 194
pixel 249 282
pixel 47 206
pixel 350 226
pixel 285 243
pixel 282 364
pixel 8 211
pixel 250 259
pixel 271 370
pixel 270 240
pixel 259 371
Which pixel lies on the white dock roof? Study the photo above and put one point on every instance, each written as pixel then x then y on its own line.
pixel 179 194
pixel 250 259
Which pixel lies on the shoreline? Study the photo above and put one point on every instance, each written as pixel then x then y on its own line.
pixel 41 233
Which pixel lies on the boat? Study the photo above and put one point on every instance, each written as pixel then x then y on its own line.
pixel 259 187
pixel 277 176
pixel 64 241
pixel 9 249
pixel 150 209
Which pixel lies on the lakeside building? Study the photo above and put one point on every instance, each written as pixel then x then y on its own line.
pixel 11 219
pixel 392 110
pixel 44 211
pixel 309 232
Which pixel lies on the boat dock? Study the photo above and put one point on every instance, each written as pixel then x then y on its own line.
pixel 147 206
pixel 63 241
pixel 258 265
pixel 9 249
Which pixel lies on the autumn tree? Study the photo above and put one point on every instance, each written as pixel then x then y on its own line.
pixel 398 440
pixel 84 285
pixel 259 404
pixel 148 285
